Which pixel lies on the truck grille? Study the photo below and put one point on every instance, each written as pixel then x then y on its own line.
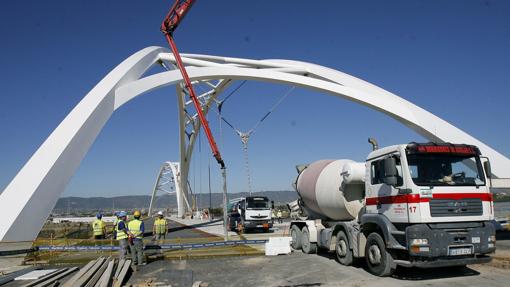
pixel 451 207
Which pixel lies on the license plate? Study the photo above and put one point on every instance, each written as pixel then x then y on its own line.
pixel 455 251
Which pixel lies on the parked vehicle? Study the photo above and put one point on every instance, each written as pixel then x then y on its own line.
pixel 248 213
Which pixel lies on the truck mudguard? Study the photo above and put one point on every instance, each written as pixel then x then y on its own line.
pixel 386 227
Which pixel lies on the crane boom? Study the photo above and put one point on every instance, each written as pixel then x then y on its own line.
pixel 172 20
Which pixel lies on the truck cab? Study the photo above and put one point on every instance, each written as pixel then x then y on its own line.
pixel 251 212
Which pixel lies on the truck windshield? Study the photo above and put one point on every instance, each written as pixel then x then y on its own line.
pixel 445 169
pixel 256 202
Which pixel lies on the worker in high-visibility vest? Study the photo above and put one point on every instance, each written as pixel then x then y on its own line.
pixel 115 222
pixel 160 228
pixel 121 233
pixel 99 227
pixel 136 229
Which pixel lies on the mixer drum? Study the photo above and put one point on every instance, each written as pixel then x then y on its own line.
pixel 323 192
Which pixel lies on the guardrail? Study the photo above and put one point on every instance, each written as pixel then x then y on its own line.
pixel 150 246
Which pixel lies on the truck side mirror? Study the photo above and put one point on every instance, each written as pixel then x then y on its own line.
pixel 390 171
pixel 272 204
pixel 487 168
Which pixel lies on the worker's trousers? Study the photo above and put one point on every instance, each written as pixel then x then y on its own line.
pixel 123 248
pixel 137 252
pixel 160 238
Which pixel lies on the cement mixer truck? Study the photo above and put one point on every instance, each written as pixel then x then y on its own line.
pixel 422 205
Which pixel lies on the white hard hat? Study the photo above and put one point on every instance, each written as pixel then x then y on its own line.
pixel 160 212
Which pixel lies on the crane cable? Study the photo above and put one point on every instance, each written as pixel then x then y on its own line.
pixel 245 136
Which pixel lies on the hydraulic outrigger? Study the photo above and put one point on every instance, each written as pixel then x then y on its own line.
pixel 172 20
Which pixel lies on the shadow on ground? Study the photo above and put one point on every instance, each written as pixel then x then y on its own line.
pixel 502 235
pixel 414 273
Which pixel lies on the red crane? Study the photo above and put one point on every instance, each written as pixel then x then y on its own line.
pixel 171 22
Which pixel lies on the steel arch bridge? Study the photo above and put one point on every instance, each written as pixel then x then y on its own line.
pixel 30 196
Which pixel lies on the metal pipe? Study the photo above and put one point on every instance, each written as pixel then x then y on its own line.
pixel 225 200
pixel 374 143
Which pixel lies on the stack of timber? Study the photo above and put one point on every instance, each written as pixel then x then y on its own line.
pixel 102 272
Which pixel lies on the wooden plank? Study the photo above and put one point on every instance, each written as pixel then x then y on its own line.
pixel 9 277
pixel 119 267
pixel 93 280
pixel 54 279
pixel 83 270
pixel 122 275
pixel 44 278
pixel 107 275
pixel 86 277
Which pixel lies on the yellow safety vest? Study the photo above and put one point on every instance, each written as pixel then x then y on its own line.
pixel 134 228
pixel 160 226
pixel 98 227
pixel 120 233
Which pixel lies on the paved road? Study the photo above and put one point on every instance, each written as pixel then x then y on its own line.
pixel 299 269
pixel 176 230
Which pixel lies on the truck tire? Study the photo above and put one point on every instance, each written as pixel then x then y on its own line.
pixel 296 235
pixel 343 249
pixel 379 260
pixel 307 246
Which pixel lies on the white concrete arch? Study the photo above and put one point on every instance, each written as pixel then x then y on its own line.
pixel 31 195
pixel 169 176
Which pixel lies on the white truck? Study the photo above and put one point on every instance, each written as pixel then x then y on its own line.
pixel 249 213
pixel 423 205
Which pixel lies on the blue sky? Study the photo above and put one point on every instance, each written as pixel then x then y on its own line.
pixel 449 57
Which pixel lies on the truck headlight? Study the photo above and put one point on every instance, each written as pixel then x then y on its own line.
pixel 419 245
pixel 419 242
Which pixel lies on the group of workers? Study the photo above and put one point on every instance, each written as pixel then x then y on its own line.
pixel 130 234
pixel 278 216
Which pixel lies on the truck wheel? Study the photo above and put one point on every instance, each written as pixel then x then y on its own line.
pixel 295 233
pixel 307 246
pixel 343 250
pixel 379 260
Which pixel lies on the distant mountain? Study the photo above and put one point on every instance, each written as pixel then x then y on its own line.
pixel 65 204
